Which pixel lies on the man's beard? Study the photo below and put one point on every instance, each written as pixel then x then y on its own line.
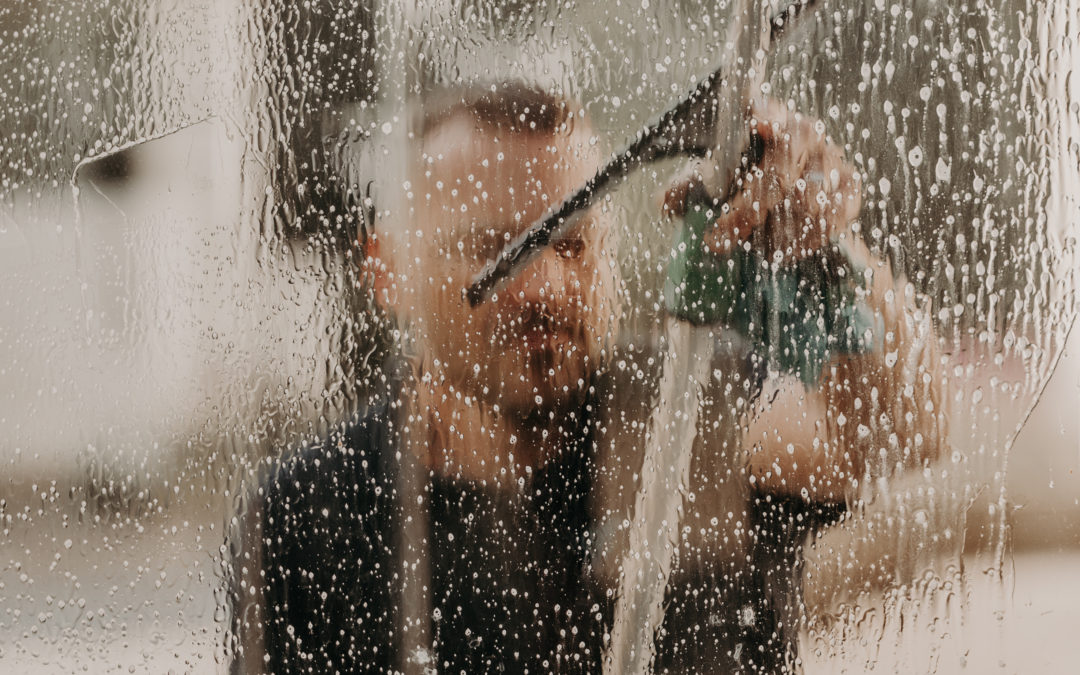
pixel 541 365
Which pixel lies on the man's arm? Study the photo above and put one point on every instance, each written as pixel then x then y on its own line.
pixel 872 412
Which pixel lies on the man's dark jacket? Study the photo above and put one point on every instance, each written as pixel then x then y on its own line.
pixel 511 589
pixel 509 585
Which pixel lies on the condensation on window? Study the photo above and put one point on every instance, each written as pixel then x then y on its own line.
pixel 466 336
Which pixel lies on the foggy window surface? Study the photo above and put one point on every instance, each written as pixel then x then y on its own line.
pixel 724 336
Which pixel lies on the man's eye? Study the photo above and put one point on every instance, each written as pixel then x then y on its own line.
pixel 570 249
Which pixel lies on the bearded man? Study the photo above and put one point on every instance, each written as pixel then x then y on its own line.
pixel 450 525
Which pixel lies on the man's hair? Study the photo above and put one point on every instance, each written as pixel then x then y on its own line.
pixel 510 105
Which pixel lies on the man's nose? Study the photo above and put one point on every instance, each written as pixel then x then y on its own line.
pixel 543 281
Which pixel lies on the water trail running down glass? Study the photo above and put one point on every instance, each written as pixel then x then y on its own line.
pixel 654 527
pixel 664 474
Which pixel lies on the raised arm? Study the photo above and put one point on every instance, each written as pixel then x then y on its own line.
pixel 872 411
pixel 872 414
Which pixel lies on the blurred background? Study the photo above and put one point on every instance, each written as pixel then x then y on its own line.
pixel 180 301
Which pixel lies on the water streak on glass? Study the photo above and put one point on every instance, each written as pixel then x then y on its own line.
pixel 249 423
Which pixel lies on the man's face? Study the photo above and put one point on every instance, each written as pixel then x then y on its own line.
pixel 531 348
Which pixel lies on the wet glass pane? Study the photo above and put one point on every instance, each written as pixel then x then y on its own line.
pixel 466 336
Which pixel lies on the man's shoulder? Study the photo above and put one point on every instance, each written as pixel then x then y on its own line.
pixel 352 455
pixel 327 543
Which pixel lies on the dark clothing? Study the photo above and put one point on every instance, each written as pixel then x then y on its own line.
pixel 329 555
pixel 510 587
